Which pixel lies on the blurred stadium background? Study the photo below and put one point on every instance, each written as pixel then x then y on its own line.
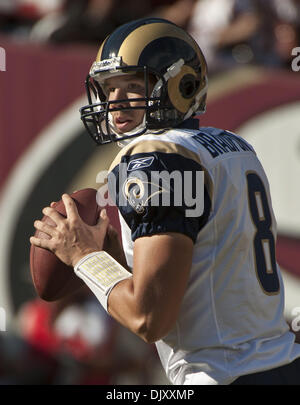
pixel 49 46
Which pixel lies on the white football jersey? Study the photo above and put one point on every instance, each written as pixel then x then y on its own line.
pixel 231 320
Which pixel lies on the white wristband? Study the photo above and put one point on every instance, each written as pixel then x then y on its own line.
pixel 101 273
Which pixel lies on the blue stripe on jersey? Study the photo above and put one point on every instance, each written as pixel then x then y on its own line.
pixel 151 200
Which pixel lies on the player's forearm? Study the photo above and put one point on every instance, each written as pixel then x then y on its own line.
pixel 149 302
pixel 126 299
pixel 127 307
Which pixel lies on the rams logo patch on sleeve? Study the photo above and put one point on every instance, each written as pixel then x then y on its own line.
pixel 141 190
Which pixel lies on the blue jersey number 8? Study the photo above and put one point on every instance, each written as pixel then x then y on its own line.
pixel 264 243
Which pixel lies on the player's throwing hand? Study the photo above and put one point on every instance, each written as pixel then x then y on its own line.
pixel 71 238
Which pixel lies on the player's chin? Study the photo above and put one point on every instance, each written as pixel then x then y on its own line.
pixel 125 126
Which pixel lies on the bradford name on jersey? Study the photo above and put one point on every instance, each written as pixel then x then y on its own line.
pixel 231 319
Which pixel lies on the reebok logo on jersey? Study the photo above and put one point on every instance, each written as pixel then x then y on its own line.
pixel 140 163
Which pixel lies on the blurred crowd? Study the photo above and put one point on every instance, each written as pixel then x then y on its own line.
pixel 230 32
pixel 74 341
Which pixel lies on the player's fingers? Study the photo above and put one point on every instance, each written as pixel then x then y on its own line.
pixel 71 209
pixel 103 217
pixel 42 243
pixel 44 227
pixel 53 214
pixel 52 204
pixel 103 213
pixel 103 221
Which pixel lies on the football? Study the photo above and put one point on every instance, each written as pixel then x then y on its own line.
pixel 52 278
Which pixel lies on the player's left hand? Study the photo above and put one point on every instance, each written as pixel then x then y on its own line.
pixel 71 238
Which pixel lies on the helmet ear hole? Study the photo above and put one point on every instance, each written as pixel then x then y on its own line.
pixel 182 88
pixel 188 86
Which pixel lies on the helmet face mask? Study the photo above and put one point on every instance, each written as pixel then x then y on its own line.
pixel 171 65
pixel 97 114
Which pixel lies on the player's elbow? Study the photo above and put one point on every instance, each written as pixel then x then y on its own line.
pixel 149 334
pixel 151 330
pixel 156 321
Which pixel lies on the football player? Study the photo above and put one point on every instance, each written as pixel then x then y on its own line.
pixel 198 229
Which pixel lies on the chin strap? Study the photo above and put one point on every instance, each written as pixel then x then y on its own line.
pixel 172 71
pixel 194 108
